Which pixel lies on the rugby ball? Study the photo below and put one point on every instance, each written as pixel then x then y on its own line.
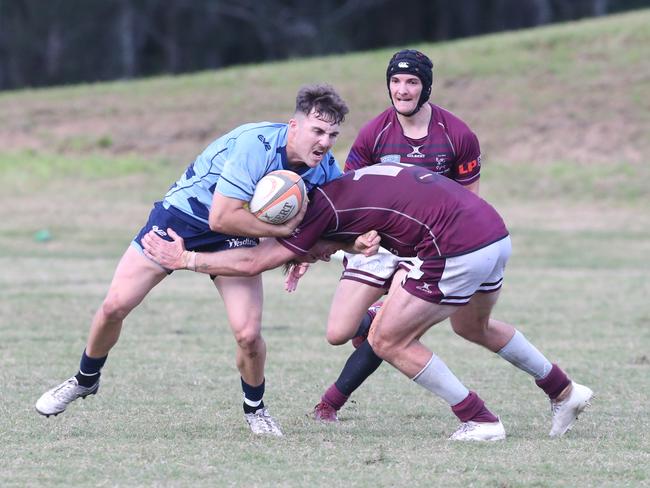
pixel 278 197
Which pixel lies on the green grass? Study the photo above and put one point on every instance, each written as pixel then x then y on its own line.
pixel 35 167
pixel 86 163
pixel 168 412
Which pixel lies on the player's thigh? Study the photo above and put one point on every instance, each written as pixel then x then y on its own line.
pixel 475 314
pixel 350 302
pixel 405 317
pixel 243 298
pixel 134 277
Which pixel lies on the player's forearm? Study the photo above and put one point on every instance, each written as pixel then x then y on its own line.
pixel 243 262
pixel 242 223
pixel 235 262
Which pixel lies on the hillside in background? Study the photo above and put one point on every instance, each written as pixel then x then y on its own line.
pixel 576 93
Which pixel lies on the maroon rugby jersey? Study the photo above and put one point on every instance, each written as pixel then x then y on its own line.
pixel 416 212
pixel 450 148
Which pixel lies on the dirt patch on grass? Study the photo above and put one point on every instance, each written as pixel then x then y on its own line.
pixel 587 102
pixel 515 121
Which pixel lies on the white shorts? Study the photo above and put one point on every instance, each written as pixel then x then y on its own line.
pixel 453 281
pixel 377 270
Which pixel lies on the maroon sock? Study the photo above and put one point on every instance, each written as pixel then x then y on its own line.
pixel 334 398
pixel 554 382
pixel 473 408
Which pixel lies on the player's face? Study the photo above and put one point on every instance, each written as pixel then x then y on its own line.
pixel 405 92
pixel 310 138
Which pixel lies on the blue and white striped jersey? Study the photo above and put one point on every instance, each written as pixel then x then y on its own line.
pixel 234 163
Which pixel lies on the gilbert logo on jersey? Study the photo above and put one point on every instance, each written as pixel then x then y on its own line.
pixel 416 152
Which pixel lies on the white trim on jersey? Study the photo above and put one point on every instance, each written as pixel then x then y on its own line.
pixel 374 146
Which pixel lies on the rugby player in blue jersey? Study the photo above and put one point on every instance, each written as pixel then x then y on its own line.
pixel 207 206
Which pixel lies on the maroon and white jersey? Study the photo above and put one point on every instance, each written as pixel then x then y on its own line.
pixel 416 212
pixel 450 148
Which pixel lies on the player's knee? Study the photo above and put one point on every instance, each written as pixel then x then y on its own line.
pixel 382 345
pixel 115 310
pixel 248 338
pixel 336 337
pixel 473 333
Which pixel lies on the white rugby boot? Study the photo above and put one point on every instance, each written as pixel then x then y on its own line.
pixel 566 412
pixel 262 423
pixel 56 400
pixel 479 431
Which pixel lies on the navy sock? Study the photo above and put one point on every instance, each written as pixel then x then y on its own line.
pixel 252 396
pixel 361 364
pixel 89 370
pixel 364 326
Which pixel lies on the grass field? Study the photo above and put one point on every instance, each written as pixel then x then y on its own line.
pixel 85 163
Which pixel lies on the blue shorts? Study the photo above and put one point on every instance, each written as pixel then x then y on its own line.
pixel 196 234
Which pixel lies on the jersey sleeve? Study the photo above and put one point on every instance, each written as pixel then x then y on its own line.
pixel 319 218
pixel 467 167
pixel 245 164
pixel 360 154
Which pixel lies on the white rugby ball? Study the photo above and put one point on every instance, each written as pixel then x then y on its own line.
pixel 278 196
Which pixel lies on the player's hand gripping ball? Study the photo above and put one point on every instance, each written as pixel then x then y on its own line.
pixel 278 196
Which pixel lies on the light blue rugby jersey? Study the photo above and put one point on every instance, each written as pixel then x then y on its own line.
pixel 235 162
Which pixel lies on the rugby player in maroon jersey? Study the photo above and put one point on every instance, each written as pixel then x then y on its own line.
pixel 458 246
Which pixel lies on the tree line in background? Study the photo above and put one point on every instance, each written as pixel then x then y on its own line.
pixel 51 42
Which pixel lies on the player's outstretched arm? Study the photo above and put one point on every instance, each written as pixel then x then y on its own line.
pixel 235 262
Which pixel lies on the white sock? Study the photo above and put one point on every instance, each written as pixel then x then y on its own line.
pixel 522 354
pixel 439 380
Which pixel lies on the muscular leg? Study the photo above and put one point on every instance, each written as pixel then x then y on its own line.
pixel 349 305
pixel 395 336
pixel 400 323
pixel 472 322
pixel 134 278
pixel 243 298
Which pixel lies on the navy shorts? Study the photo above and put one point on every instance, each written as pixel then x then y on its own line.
pixel 196 234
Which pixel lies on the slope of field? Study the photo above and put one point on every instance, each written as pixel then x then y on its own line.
pixel 577 92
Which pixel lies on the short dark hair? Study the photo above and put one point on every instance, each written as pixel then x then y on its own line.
pixel 324 101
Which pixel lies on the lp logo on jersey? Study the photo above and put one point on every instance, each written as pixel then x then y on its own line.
pixel 416 152
pixel 467 168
